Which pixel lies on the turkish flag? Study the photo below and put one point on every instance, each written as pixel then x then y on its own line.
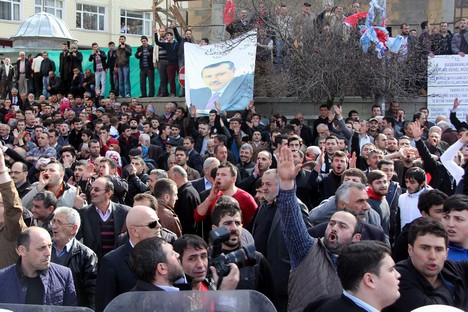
pixel 229 12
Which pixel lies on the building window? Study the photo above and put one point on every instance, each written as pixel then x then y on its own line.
pixel 10 10
pixel 54 7
pixel 136 23
pixel 90 17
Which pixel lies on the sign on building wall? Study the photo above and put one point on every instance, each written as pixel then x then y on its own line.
pixel 221 73
pixel 447 80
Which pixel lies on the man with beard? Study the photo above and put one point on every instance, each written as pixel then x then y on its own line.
pixel 415 180
pixel 269 239
pixel 94 151
pixel 245 165
pixel 328 183
pixel 115 275
pixel 259 277
pixel 193 252
pixel 156 264
pixel 311 259
pixel 74 138
pixel 377 189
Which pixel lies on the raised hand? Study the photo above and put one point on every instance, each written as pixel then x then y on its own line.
pixel 416 130
pixel 338 110
pixel 287 171
pixel 353 160
pixel 193 110
pixel 464 137
pixel 217 106
pixel 456 102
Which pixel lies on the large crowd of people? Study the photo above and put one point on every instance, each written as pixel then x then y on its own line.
pixel 101 197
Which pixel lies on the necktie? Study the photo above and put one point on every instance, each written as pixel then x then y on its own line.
pixel 211 102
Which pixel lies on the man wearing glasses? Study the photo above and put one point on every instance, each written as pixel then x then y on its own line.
pixel 102 220
pixel 115 275
pixel 19 175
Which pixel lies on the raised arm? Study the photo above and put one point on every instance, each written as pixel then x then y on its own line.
pixel 297 239
pixel 447 158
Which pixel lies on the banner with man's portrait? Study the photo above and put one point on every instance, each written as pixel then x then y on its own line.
pixel 221 73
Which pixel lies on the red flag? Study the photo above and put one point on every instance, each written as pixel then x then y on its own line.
pixel 229 12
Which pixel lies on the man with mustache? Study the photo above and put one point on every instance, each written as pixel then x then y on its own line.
pixel 223 88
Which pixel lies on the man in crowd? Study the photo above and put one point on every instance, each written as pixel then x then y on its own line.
pixel 455 222
pixel 225 185
pixel 102 220
pixel 34 279
pixel 193 251
pixel 370 281
pixel 188 199
pixel 311 259
pixel 165 191
pixel 427 277
pixel 145 54
pixel 259 277
pixel 69 252
pixel 51 179
pixel 115 275
pixel 122 63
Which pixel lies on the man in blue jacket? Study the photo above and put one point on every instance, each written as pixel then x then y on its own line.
pixel 34 279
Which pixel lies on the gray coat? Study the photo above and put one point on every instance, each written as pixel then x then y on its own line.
pixel 324 211
pixel 456 42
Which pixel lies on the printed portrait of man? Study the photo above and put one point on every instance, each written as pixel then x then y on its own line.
pixel 222 86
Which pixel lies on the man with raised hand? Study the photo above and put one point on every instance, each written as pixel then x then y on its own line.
pixel 311 259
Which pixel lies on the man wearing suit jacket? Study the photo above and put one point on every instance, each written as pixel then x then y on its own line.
pixel 203 183
pixel 269 239
pixel 115 275
pixel 101 218
pixel 7 75
pixel 231 93
pixel 370 281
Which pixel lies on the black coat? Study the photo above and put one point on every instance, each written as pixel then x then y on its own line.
pixel 150 56
pixel 83 263
pixel 115 276
pixel 340 304
pixel 188 200
pixel 416 291
pixel 102 54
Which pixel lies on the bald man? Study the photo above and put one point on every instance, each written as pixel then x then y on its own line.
pixel 115 276
pixel 34 278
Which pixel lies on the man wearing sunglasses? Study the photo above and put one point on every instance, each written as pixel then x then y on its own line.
pixel 115 275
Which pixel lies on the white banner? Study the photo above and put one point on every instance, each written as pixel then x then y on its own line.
pixel 447 80
pixel 221 72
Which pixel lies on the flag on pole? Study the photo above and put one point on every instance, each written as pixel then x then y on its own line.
pixel 229 13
